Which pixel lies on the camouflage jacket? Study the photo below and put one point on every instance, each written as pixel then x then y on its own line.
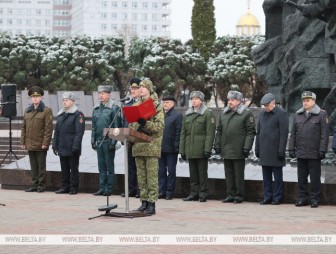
pixel 154 125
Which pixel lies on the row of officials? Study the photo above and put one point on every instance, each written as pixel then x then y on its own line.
pixel 152 166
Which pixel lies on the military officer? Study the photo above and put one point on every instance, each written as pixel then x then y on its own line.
pixel 67 142
pixel 105 114
pixel 147 154
pixel 196 141
pixel 234 140
pixel 308 142
pixel 36 133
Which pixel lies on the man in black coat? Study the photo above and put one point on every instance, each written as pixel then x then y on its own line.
pixel 169 148
pixel 309 142
pixel 270 147
pixel 67 143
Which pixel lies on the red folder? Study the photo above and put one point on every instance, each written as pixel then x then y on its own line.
pixel 144 110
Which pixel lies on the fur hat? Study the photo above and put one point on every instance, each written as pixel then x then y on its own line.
pixel 235 95
pixel 69 96
pixel 105 88
pixel 148 84
pixel 197 94
pixel 35 91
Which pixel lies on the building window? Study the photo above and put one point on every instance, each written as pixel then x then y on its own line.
pixel 104 4
pixel 124 16
pixel 155 17
pixel 155 5
pixel 134 5
pixel 134 27
pixel 114 15
pixel 114 26
pixel 134 16
pixel 10 11
pixel 154 28
pixel 144 27
pixel 38 22
pixel 1 11
pixel 1 22
pixel 103 15
pixel 114 4
pixel 38 12
pixel 9 21
pixel 28 22
pixel 124 4
pixel 144 16
pixel 103 26
pixel 19 22
pixel 124 27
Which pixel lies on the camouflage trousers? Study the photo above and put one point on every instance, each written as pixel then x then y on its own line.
pixel 147 171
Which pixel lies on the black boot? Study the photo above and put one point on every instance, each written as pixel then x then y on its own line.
pixel 143 206
pixel 150 208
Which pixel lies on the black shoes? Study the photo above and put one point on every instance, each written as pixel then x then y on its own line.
pixel 190 198
pixel 228 200
pixel 276 202
pixel 266 202
pixel 143 206
pixel 73 192
pixel 31 189
pixel 161 196
pixel 98 193
pixel 202 200
pixel 136 195
pixel 61 191
pixel 107 193
pixel 237 201
pixel 314 204
pixel 150 208
pixel 301 202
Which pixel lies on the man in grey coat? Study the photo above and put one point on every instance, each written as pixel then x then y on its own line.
pixel 309 142
pixel 270 147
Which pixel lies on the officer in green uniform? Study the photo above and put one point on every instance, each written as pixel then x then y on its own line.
pixel 234 140
pixel 147 154
pixel 196 141
pixel 105 114
pixel 36 135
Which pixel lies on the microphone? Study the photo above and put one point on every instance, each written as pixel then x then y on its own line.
pixel 127 98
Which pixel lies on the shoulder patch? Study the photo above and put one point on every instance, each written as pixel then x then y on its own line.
pixel 213 120
pixel 251 119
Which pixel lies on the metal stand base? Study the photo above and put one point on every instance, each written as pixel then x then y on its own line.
pixel 3 204
pixel 108 213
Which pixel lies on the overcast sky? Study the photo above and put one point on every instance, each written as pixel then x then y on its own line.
pixel 227 14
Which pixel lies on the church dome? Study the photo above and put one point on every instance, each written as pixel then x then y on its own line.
pixel 248 24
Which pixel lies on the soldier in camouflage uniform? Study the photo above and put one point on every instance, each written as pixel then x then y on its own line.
pixel 147 154
pixel 105 114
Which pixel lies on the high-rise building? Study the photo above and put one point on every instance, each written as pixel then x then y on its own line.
pixel 95 18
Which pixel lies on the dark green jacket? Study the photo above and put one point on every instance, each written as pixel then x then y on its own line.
pixel 235 132
pixel 198 132
pixel 102 117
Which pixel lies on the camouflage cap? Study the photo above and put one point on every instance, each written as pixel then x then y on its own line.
pixel 69 96
pixel 308 95
pixel 235 95
pixel 148 84
pixel 197 94
pixel 105 88
pixel 35 91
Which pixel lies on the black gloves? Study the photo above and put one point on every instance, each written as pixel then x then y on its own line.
pixel 142 121
pixel 112 146
pixel 322 155
pixel 257 154
pixel 218 150
pixel 207 155
pixel 144 131
pixel 75 152
pixel 246 153
pixel 291 153
pixel 184 157
pixel 55 151
pixel 94 145
pixel 281 156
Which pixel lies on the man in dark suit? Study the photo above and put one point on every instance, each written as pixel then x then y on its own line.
pixel 270 147
pixel 169 148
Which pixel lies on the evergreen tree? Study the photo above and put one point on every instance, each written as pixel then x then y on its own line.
pixel 203 26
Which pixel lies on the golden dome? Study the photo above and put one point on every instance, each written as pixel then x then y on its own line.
pixel 248 20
